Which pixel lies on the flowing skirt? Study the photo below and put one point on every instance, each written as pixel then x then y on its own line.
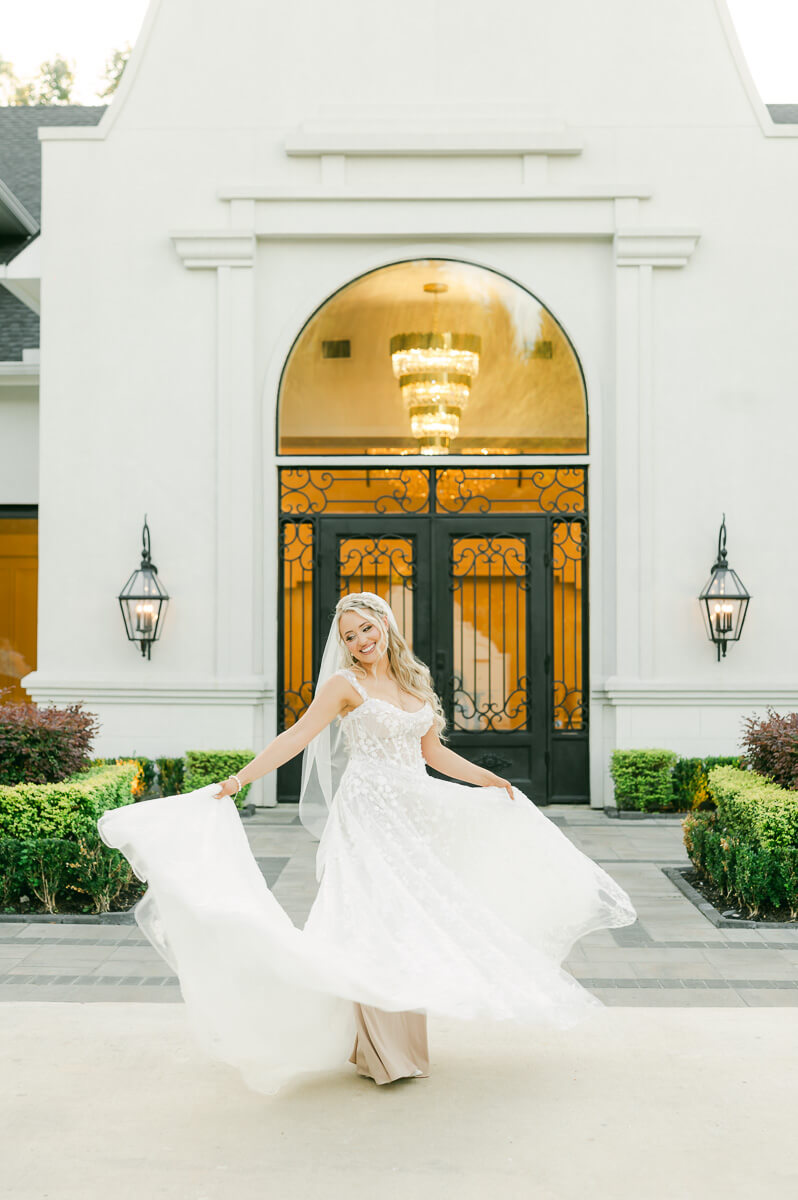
pixel 466 910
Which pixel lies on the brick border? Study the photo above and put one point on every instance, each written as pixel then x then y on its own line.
pixel 676 876
pixel 630 814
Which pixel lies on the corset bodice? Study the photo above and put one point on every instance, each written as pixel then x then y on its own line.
pixel 379 733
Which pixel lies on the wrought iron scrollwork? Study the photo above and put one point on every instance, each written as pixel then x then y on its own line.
pixel 296 557
pixel 569 553
pixel 508 489
pixel 489 576
pixel 379 490
pixel 493 762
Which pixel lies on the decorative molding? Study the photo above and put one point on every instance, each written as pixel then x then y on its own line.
pixel 19 374
pixel 654 247
pixel 397 143
pixel 206 690
pixel 597 190
pixel 682 693
pixel 208 249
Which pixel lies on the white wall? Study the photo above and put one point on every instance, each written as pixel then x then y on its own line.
pixel 159 372
pixel 19 444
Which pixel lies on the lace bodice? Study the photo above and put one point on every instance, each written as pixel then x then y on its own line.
pixel 378 732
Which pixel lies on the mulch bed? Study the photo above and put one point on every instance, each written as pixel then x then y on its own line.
pixel 726 907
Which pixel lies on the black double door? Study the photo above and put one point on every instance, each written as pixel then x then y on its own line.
pixel 471 596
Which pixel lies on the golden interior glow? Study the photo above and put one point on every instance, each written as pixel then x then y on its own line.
pixel 488 603
pixel 18 591
pixel 515 387
pixel 489 609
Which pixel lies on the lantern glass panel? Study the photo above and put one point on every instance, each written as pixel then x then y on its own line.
pixel 724 605
pixel 143 601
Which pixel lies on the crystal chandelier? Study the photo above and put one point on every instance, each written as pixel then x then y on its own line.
pixel 435 372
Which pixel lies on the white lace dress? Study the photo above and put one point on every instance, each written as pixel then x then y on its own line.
pixel 434 896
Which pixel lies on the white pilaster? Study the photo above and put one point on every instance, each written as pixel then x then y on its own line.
pixel 637 252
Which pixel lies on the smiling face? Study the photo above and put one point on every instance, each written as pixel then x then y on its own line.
pixel 364 634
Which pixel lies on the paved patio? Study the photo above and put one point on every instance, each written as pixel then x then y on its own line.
pixel 672 956
pixel 103 1090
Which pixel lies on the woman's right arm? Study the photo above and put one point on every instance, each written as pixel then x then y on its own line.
pixel 330 700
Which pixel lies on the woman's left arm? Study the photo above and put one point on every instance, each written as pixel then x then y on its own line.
pixel 442 759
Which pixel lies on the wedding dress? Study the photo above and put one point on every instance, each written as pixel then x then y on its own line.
pixel 434 897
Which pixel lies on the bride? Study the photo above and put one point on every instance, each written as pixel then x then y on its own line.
pixel 433 897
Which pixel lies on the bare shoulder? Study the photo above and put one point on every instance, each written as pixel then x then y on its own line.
pixel 340 691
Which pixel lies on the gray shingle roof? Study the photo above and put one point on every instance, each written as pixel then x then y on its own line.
pixel 20 153
pixel 19 328
pixel 784 114
pixel 21 171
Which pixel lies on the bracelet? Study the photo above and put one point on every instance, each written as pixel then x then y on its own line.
pixel 238 781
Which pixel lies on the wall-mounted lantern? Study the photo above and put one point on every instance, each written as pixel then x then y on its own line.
pixel 724 600
pixel 143 599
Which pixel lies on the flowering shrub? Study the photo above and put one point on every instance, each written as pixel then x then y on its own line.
pixel 44 745
pixel 772 747
pixel 690 780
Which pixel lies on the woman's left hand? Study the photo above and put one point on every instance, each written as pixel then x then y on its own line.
pixel 228 787
pixel 497 781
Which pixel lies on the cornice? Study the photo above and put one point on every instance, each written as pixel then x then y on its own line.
pixel 397 143
pixel 206 249
pixel 98 690
pixel 683 693
pixel 665 247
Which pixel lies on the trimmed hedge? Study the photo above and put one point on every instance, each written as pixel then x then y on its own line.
pixel 212 766
pixel 748 848
pixel 51 852
pixel 642 779
pixel 752 807
pixel 659 781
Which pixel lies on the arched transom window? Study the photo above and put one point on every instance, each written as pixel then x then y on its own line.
pixel 432 356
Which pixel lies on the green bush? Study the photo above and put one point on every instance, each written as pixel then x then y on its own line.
pixel 752 807
pixel 212 766
pixel 748 848
pixel 642 779
pixel 50 850
pixel 171 772
pixel 691 779
pixel 66 808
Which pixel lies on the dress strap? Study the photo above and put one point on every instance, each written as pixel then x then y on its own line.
pixel 349 674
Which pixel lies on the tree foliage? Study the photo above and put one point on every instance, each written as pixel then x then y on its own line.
pixel 53 84
pixel 114 67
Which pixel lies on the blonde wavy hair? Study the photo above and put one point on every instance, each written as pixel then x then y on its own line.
pixel 410 673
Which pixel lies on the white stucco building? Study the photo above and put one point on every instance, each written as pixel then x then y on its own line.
pixel 601 200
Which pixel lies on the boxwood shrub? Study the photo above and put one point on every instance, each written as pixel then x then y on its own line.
pixel 748 847
pixel 642 779
pixel 51 856
pixel 212 766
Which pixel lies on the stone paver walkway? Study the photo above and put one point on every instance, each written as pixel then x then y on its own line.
pixel 672 956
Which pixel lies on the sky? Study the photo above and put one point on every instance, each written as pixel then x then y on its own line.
pixel 87 31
